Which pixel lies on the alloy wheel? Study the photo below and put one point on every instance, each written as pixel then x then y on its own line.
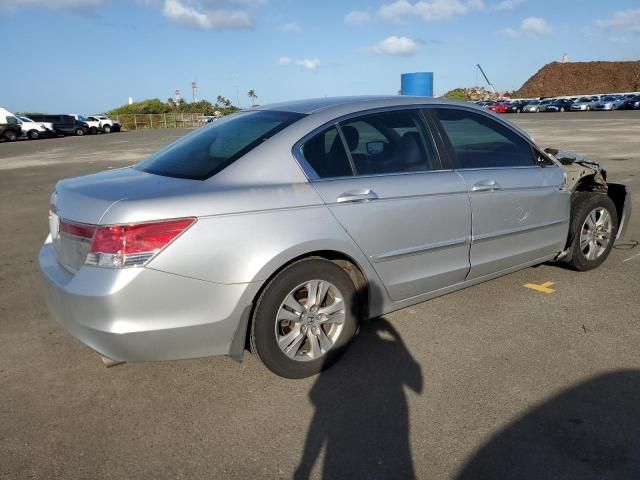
pixel 595 233
pixel 310 320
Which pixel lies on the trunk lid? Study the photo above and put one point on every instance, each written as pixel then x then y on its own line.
pixel 80 203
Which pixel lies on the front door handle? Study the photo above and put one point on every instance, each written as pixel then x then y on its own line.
pixel 486 186
pixel 357 196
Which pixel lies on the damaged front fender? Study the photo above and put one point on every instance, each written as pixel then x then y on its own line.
pixel 584 175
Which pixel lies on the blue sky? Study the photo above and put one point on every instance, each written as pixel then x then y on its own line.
pixel 90 55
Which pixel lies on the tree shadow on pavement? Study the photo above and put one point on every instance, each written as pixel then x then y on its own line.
pixel 588 432
pixel 361 413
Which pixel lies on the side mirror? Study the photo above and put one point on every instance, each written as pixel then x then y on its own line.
pixel 375 148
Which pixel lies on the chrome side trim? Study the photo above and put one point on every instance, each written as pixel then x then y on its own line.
pixel 408 197
pixel 406 252
pixel 514 231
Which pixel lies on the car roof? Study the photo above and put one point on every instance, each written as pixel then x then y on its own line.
pixel 355 103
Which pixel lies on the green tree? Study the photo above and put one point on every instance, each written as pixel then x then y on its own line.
pixel 252 95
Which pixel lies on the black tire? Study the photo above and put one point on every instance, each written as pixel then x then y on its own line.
pixel 588 107
pixel 562 109
pixel 519 110
pixel 582 204
pixel 10 136
pixel 262 338
pixel 79 132
pixel 106 129
pixel 33 135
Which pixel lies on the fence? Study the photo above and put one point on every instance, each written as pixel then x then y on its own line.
pixel 142 121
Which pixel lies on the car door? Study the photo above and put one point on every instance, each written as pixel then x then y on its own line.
pixel 381 177
pixel 520 209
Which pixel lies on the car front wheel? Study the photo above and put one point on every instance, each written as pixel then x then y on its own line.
pixel 33 135
pixel 79 132
pixel 106 129
pixel 10 136
pixel 304 318
pixel 593 226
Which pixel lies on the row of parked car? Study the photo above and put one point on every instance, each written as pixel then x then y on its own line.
pixel 33 127
pixel 573 104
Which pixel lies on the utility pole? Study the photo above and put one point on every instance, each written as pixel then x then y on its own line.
pixel 236 84
pixel 194 89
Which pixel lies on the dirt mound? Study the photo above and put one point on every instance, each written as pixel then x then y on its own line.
pixel 556 79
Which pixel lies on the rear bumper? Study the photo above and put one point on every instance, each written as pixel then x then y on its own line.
pixel 140 314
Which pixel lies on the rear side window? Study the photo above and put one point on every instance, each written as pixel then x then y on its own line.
pixel 375 144
pixel 209 149
pixel 478 141
pixel 389 142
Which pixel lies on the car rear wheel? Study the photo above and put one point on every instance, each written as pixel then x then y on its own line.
pixel 33 135
pixel 304 318
pixel 106 129
pixel 562 109
pixel 10 136
pixel 594 224
pixel 79 132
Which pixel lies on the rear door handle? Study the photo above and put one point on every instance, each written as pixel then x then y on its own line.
pixel 486 186
pixel 357 196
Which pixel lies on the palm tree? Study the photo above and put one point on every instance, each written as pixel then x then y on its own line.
pixel 252 95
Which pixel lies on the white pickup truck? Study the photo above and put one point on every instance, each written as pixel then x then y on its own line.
pixel 106 124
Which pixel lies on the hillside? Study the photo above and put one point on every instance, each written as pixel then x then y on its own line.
pixel 555 79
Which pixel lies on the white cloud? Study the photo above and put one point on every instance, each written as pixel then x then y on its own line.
pixel 535 26
pixel 398 46
pixel 625 20
pixel 292 27
pixel 357 18
pixel 505 5
pixel 210 19
pixel 428 10
pixel 308 63
pixel 530 27
pixel 53 4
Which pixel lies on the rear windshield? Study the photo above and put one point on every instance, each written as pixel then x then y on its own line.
pixel 213 147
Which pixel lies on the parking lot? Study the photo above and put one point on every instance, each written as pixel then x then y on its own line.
pixel 495 381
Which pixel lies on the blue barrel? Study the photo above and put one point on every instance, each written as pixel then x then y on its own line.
pixel 417 84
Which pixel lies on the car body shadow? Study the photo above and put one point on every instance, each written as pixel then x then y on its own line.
pixel 361 419
pixel 590 431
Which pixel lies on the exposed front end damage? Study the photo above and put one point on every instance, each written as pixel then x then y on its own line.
pixel 584 175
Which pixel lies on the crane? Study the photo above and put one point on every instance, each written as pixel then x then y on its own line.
pixel 493 89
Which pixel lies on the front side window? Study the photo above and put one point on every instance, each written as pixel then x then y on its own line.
pixel 11 120
pixel 209 149
pixel 478 141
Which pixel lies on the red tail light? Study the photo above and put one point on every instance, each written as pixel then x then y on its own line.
pixel 118 246
pixel 77 230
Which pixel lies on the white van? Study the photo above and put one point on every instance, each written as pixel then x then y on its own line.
pixel 30 129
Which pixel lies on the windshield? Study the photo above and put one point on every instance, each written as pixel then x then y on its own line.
pixel 584 99
pixel 208 150
pixel 609 99
pixel 535 102
pixel 82 118
pixel 24 119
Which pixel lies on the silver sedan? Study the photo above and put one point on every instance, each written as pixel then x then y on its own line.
pixel 282 227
